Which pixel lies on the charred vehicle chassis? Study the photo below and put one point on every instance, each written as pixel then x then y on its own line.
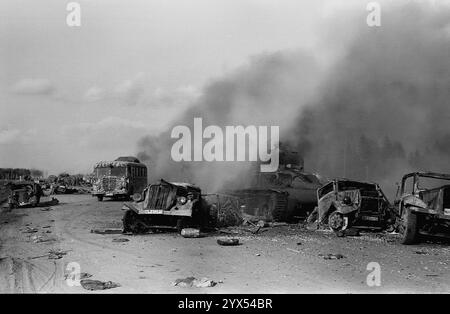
pixel 24 193
pixel 424 211
pixel 345 203
pixel 165 205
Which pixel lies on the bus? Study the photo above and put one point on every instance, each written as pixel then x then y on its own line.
pixel 120 178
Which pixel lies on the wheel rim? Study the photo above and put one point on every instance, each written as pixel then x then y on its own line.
pixel 336 221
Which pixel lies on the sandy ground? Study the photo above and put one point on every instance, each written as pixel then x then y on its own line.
pixel 284 259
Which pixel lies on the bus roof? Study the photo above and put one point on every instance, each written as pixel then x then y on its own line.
pixel 116 163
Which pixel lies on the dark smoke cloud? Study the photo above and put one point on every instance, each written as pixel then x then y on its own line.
pixel 379 110
pixel 384 108
pixel 265 92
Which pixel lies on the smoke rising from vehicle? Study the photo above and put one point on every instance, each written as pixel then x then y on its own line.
pixel 383 108
pixel 376 111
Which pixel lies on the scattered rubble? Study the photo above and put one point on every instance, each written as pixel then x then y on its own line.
pixel 228 241
pixel 120 240
pixel 82 276
pixel 107 231
pixel 332 256
pixel 30 230
pixel 42 238
pixel 52 254
pixel 56 254
pixel 352 232
pixel 194 282
pixel 92 285
pixel 191 233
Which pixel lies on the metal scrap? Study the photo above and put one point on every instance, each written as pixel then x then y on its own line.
pixel 91 285
pixel 194 282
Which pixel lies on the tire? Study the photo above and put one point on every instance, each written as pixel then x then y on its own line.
pixel 131 223
pixel 100 198
pixel 336 221
pixel 409 227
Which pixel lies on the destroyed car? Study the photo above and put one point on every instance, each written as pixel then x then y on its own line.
pixel 423 206
pixel 345 203
pixel 120 178
pixel 23 193
pixel 165 205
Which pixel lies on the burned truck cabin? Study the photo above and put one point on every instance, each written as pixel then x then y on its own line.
pixel 346 203
pixel 23 193
pixel 424 206
pixel 164 205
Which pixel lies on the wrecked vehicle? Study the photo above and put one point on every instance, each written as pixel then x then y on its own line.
pixel 232 208
pixel 165 205
pixel 423 206
pixel 344 204
pixel 291 178
pixel 23 193
pixel 120 178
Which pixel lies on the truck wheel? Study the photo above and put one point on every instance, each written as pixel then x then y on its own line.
pixel 408 228
pixel 100 198
pixel 336 221
pixel 131 222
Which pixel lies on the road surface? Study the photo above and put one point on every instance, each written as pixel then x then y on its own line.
pixel 283 259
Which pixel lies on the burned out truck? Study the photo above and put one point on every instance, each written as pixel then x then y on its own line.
pixel 173 205
pixel 344 204
pixel 165 205
pixel 23 193
pixel 423 206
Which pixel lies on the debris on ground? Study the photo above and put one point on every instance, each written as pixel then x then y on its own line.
pixel 332 256
pixel 262 224
pixel 421 252
pixel 85 276
pixel 91 285
pixel 194 282
pixel 352 232
pixel 120 240
pixel 41 239
pixel 56 254
pixel 30 230
pixel 107 231
pixel 82 276
pixel 292 250
pixel 190 233
pixel 228 241
pixel 46 209
pixel 52 254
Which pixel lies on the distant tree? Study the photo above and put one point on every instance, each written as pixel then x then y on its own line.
pixel 36 173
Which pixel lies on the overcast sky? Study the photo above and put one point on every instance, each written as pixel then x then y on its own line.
pixel 72 96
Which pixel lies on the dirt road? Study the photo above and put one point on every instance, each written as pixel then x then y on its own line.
pixel 284 259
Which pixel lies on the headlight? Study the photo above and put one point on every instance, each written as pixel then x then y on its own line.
pixel 182 200
pixel 136 197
